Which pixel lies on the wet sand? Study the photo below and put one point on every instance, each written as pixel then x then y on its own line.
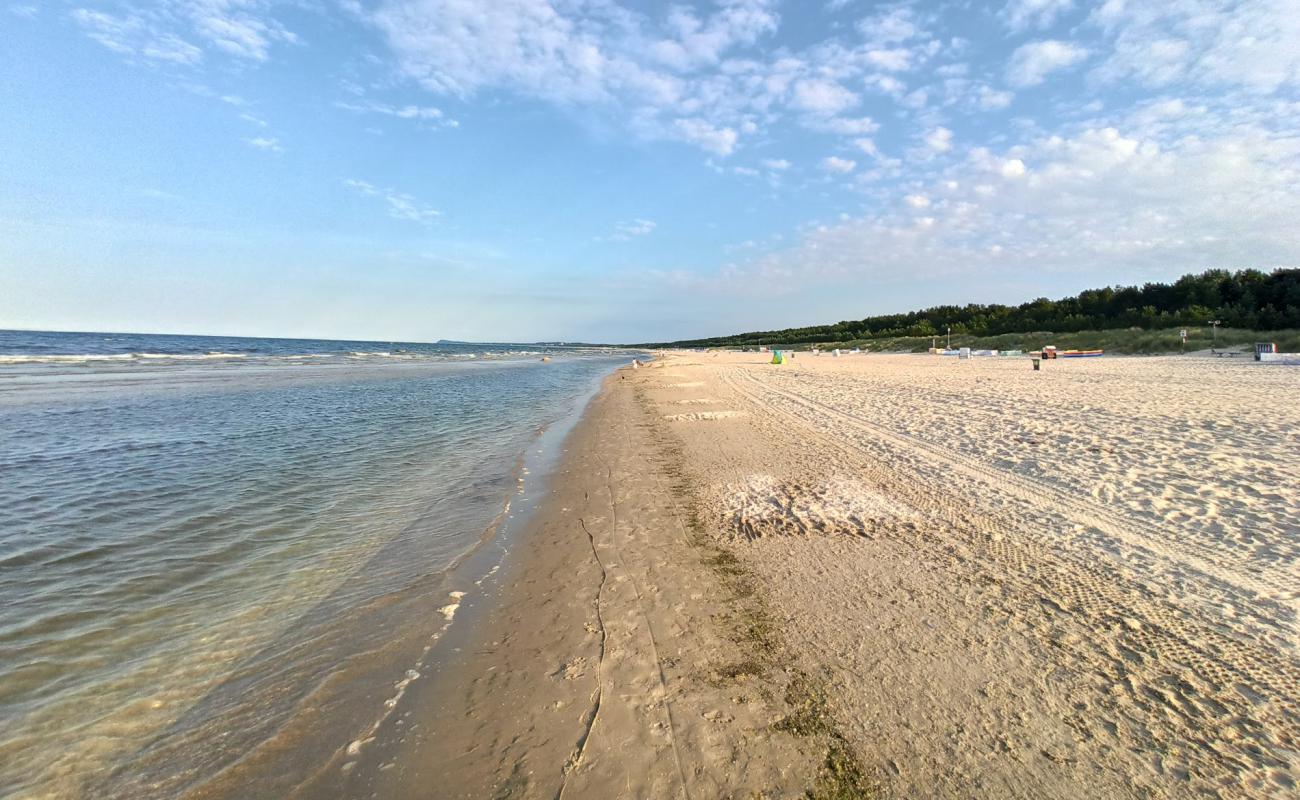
pixel 892 576
pixel 618 661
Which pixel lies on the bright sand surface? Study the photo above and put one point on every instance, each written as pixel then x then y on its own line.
pixel 912 576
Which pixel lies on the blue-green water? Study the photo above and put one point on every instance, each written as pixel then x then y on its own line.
pixel 199 541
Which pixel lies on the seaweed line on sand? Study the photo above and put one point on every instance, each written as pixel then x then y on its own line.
pixel 842 776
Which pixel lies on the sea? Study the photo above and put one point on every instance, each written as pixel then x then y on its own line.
pixel 217 548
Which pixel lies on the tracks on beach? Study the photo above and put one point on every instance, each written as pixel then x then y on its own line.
pixel 1178 673
pixel 614 568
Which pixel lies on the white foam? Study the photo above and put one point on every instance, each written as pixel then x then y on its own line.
pixel 448 611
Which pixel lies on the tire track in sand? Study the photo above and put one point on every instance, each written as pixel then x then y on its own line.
pixel 1189 554
pixel 1248 689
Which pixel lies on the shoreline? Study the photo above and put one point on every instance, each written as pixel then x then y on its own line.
pixel 616 659
pixel 439 612
pixel 886 576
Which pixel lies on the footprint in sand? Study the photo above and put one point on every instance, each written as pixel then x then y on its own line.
pixel 696 416
pixel 763 505
pixel 572 669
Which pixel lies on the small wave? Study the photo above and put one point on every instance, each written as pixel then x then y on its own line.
pixel 189 356
pixel 82 358
pixel 64 359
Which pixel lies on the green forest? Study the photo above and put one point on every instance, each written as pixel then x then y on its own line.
pixel 1249 300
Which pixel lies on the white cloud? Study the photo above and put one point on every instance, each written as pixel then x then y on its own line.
pixel 885 164
pixel 693 41
pixel 400 206
pixel 1247 43
pixel 126 35
pixel 24 10
pixel 1022 14
pixel 460 47
pixel 917 201
pixel 238 36
pixel 777 164
pixel 895 59
pixel 837 164
pixel 1032 63
pixel 939 140
pixel 625 231
pixel 107 29
pixel 845 126
pixel 430 116
pixel 163 31
pixel 167 47
pixel 990 99
pixel 677 75
pixel 365 187
pixel 886 83
pixel 822 97
pixel 888 27
pixel 867 146
pixel 1097 197
pixel 721 141
pixel 916 99
pixel 268 143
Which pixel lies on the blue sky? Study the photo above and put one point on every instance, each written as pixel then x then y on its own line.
pixel 597 170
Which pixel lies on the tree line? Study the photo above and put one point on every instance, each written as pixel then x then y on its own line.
pixel 1249 299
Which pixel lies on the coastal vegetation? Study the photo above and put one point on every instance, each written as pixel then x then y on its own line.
pixel 1136 319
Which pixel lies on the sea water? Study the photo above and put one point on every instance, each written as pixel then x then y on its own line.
pixel 208 544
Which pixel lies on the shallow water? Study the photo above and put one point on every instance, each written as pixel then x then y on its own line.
pixel 192 554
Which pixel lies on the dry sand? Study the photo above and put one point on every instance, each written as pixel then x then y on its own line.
pixel 1080 582
pixel 892 576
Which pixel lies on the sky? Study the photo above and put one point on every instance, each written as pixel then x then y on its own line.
pixel 605 170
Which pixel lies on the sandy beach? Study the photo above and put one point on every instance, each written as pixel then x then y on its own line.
pixel 890 576
pixel 389 410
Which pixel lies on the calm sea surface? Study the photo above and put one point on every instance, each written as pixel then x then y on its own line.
pixel 210 544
